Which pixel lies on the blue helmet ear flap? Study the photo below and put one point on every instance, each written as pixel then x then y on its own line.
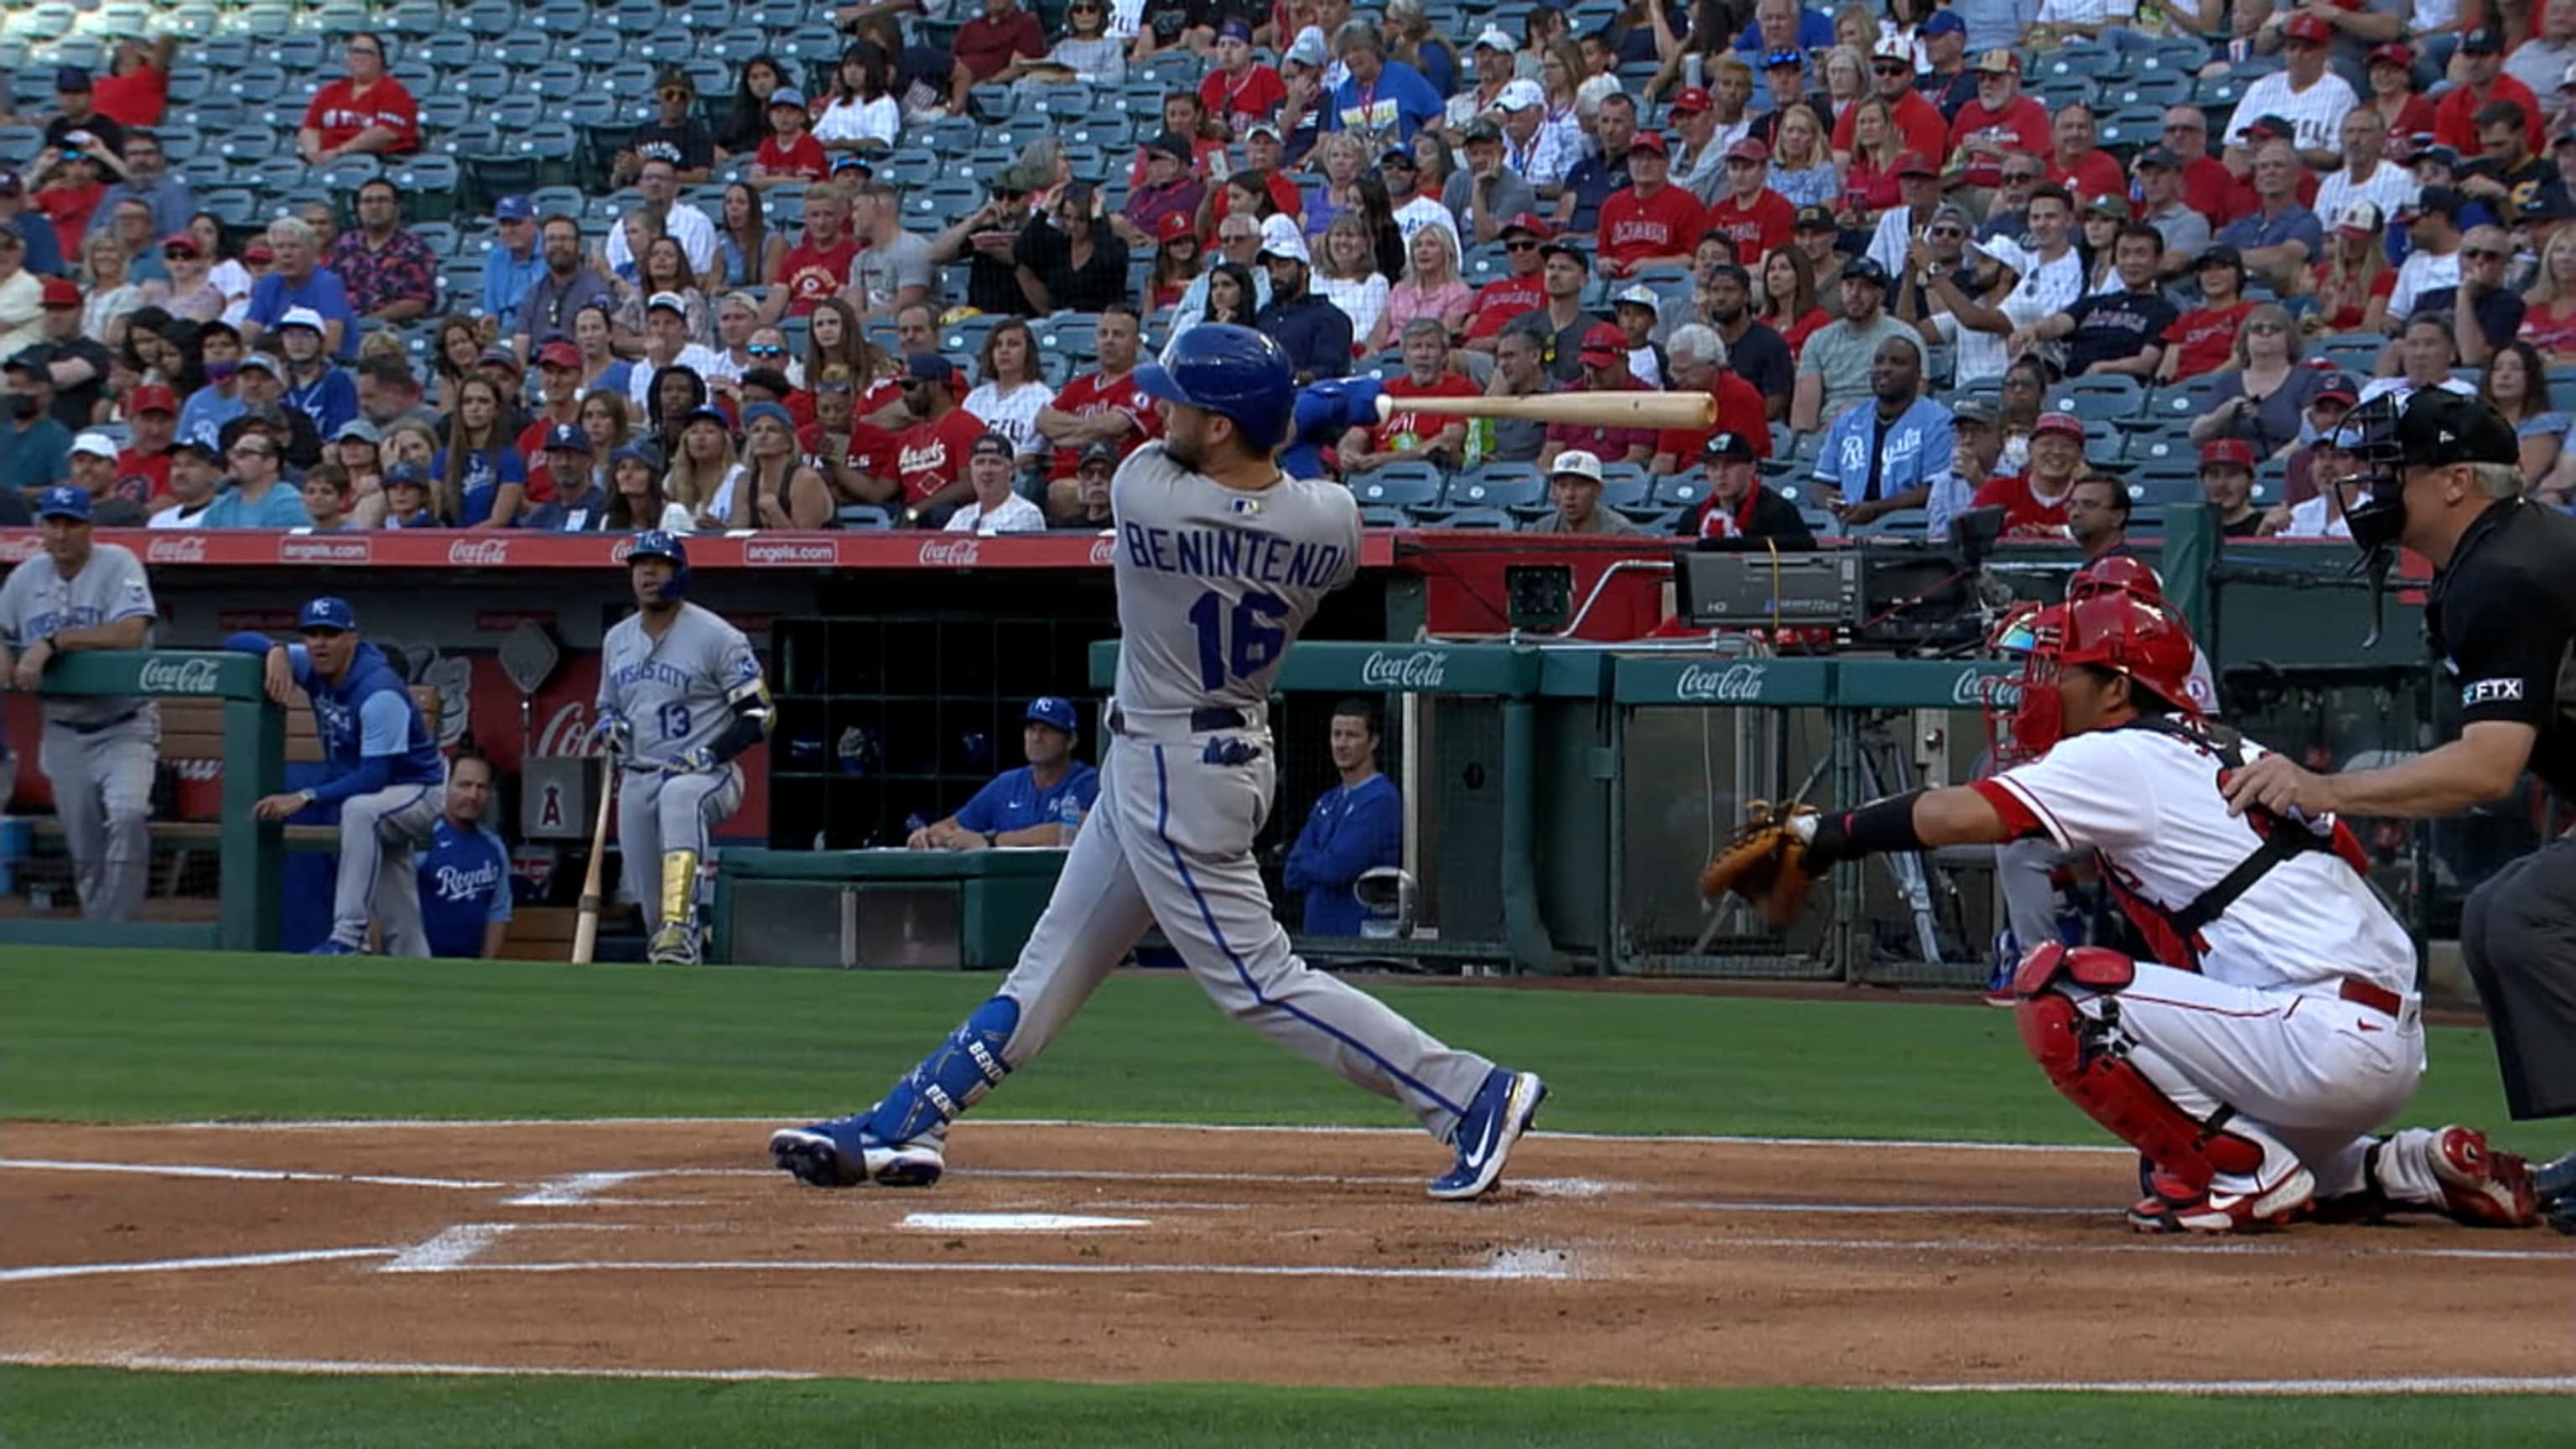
pixel 658 543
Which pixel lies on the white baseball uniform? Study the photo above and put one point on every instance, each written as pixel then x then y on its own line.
pixel 678 692
pixel 98 752
pixel 1213 585
pixel 2262 1026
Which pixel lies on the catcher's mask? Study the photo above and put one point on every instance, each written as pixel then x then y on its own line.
pixel 2015 735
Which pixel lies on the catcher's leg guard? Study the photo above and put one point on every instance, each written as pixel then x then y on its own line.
pixel 952 1078
pixel 2086 1059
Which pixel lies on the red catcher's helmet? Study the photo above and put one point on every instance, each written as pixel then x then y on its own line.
pixel 2129 636
pixel 2021 711
pixel 2115 573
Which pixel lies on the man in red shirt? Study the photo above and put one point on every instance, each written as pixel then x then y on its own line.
pixel 984 45
pixel 1105 406
pixel 137 88
pixel 2075 163
pixel 1605 369
pixel 1264 156
pixel 2034 503
pixel 1920 126
pixel 1695 359
pixel 818 266
pixel 1406 434
pixel 930 456
pixel 143 469
pixel 1751 215
pixel 2000 121
pixel 1240 90
pixel 789 153
pixel 367 113
pixel 1518 292
pixel 1648 223
pixel 2482 66
pixel 2208 187
pixel 558 400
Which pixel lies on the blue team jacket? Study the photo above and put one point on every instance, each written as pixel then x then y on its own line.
pixel 1355 829
pixel 372 734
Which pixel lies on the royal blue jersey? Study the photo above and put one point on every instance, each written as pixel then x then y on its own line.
pixel 464 886
pixel 1014 802
pixel 1355 829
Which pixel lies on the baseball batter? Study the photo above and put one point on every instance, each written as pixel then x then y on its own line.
pixel 98 752
pixel 385 773
pixel 2279 1024
pixel 1221 560
pixel 680 695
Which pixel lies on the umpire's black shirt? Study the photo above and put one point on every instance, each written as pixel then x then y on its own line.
pixel 2504 616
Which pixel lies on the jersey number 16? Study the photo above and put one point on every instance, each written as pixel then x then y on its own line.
pixel 1237 642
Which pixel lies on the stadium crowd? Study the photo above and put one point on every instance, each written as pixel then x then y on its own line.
pixel 1922 258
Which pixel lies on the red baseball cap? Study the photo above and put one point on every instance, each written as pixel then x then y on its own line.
pixel 1174 226
pixel 62 292
pixel 1750 148
pixel 2393 54
pixel 1915 163
pixel 2227 453
pixel 1650 141
pixel 152 397
pixel 1690 101
pixel 2066 425
pixel 2310 28
pixel 1604 343
pixel 559 354
pixel 1530 222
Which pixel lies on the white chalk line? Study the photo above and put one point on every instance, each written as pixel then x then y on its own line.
pixel 574 1189
pixel 338 1124
pixel 1915 1209
pixel 2177 1246
pixel 239 1174
pixel 190 1265
pixel 177 1363
pixel 1516 1265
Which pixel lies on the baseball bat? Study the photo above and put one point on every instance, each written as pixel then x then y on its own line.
pixel 1599 409
pixel 585 931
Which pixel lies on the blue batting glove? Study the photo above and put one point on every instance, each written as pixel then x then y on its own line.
pixel 611 731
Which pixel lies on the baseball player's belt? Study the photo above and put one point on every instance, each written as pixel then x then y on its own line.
pixel 2377 998
pixel 103 725
pixel 1202 720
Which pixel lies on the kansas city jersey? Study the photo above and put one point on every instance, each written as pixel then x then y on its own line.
pixel 678 691
pixel 1214 583
pixel 36 602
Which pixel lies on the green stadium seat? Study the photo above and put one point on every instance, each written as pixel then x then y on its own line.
pixel 486 19
pixel 451 50
pixel 2098 399
pixel 483 83
pixel 560 17
pixel 1679 490
pixel 351 172
pixel 1504 485
pixel 1403 485
pixel 524 48
pixel 301 54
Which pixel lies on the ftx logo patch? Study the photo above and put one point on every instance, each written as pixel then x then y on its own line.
pixel 2491 691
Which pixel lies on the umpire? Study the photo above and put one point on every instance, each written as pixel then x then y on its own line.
pixel 2440 476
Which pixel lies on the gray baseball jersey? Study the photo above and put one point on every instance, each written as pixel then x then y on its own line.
pixel 679 690
pixel 1213 583
pixel 36 601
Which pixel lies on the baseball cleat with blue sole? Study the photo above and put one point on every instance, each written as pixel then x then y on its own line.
pixel 335 948
pixel 844 1153
pixel 1505 1107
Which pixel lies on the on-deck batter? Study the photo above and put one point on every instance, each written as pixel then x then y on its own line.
pixel 99 751
pixel 1221 560
pixel 680 695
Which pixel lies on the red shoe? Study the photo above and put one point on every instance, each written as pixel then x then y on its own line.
pixel 2482 1187
pixel 2216 1210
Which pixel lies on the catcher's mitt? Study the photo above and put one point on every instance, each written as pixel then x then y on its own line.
pixel 1764 865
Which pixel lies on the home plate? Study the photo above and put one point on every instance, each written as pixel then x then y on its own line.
pixel 1015 1222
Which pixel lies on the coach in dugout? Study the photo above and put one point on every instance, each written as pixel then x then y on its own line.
pixel 2439 474
pixel 1023 806
pixel 465 873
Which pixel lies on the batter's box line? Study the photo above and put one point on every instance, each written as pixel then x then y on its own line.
pixel 1511 1265
pixel 457 1245
pixel 242 1174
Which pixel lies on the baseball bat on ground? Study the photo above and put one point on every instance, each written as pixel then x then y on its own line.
pixel 585 931
pixel 1598 409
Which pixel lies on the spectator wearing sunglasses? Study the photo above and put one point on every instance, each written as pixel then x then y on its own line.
pixel 1919 122
pixel 674 135
pixel 255 493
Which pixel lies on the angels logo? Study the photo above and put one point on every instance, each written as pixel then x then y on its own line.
pixel 176 548
pixel 954 553
pixel 931 457
pixel 479 552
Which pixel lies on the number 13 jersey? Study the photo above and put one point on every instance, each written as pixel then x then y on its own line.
pixel 1215 583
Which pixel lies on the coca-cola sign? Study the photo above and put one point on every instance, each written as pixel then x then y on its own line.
pixel 315 548
pixel 18 548
pixel 169 674
pixel 951 553
pixel 479 553
pixel 1974 687
pixel 790 553
pixel 176 548
pixel 1713 684
pixel 1420 669
pixel 1104 551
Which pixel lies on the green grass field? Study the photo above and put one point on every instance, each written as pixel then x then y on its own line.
pixel 143 1036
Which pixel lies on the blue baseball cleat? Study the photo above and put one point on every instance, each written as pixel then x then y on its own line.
pixel 1505 1107
pixel 844 1153
pixel 335 948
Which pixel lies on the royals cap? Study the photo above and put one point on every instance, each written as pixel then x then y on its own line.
pixel 327 615
pixel 1048 709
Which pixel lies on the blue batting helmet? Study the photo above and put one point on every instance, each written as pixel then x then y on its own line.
pixel 1231 371
pixel 655 543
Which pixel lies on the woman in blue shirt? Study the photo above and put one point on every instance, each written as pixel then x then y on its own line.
pixel 483 482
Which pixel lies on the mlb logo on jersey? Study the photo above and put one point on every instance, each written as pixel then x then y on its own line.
pixel 1245 506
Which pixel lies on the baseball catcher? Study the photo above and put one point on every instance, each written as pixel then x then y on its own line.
pixel 2277 1024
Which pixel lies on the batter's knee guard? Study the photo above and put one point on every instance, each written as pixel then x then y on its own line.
pixel 951 1079
pixel 2086 1059
pixel 680 887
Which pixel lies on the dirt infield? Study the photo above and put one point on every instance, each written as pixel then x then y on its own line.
pixel 1289 1257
